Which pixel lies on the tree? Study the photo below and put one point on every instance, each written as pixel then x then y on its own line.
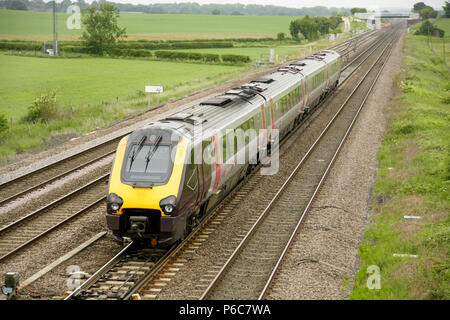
pixel 446 9
pixel 294 29
pixel 216 12
pixel 428 29
pixel 281 36
pixel 16 5
pixel 358 10
pixel 427 13
pixel 102 30
pixel 419 6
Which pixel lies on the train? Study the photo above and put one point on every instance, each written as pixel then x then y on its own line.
pixel 172 172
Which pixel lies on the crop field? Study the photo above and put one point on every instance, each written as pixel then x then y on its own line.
pixel 90 80
pixel 38 26
pixel 91 92
pixel 444 24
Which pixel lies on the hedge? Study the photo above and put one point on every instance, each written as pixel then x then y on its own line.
pixel 133 52
pixel 21 45
pixel 179 55
pixel 75 49
pixel 175 45
pixel 234 58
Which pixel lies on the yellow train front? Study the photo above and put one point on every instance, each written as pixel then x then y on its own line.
pixel 144 186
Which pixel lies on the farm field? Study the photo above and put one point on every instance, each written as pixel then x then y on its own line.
pixel 91 92
pixel 29 25
pixel 90 80
pixel 444 24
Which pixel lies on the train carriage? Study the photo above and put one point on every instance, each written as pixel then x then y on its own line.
pixel 169 173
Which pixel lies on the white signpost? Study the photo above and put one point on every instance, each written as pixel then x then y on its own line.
pixel 153 89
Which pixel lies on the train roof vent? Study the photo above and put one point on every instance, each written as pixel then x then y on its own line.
pixel 263 80
pixel 179 116
pixel 195 120
pixel 241 93
pixel 322 54
pixel 218 101
pixel 299 64
pixel 186 117
pixel 253 86
pixel 290 69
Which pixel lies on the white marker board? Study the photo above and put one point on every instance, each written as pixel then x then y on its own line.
pixel 154 89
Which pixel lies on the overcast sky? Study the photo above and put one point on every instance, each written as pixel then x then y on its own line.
pixel 437 4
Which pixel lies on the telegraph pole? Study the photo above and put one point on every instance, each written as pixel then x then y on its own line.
pixel 55 32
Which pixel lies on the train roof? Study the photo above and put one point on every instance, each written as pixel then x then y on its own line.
pixel 220 111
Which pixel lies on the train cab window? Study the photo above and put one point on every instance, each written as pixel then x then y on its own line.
pixel 149 163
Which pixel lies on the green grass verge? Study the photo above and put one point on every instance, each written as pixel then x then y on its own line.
pixel 413 179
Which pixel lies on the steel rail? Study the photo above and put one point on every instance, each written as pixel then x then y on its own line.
pixel 104 269
pixel 17 224
pixel 52 179
pixel 249 234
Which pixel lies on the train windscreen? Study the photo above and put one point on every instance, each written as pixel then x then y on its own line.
pixel 148 164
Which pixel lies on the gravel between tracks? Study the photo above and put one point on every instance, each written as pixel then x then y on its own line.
pixel 342 206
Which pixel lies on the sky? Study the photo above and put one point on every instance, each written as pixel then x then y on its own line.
pixel 437 4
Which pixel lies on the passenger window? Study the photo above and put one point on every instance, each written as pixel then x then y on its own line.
pixel 251 123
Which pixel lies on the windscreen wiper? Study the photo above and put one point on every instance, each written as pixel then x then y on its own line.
pixel 152 151
pixel 137 150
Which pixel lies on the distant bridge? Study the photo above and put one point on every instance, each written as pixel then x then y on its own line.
pixel 392 15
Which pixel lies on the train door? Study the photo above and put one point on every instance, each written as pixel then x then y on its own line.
pixel 217 161
pixel 263 136
pixel 269 119
pixel 190 194
pixel 208 164
pixel 303 104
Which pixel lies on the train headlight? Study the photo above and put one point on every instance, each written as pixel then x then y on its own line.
pixel 168 204
pixel 114 202
pixel 168 208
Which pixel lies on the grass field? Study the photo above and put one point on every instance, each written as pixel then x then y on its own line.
pixel 38 25
pixel 87 89
pixel 444 24
pixel 413 180
pixel 90 80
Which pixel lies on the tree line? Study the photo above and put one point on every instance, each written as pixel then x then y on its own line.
pixel 179 8
pixel 312 28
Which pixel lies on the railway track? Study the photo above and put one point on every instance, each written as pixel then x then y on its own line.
pixel 116 280
pixel 37 179
pixel 27 183
pixel 249 271
pixel 33 226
